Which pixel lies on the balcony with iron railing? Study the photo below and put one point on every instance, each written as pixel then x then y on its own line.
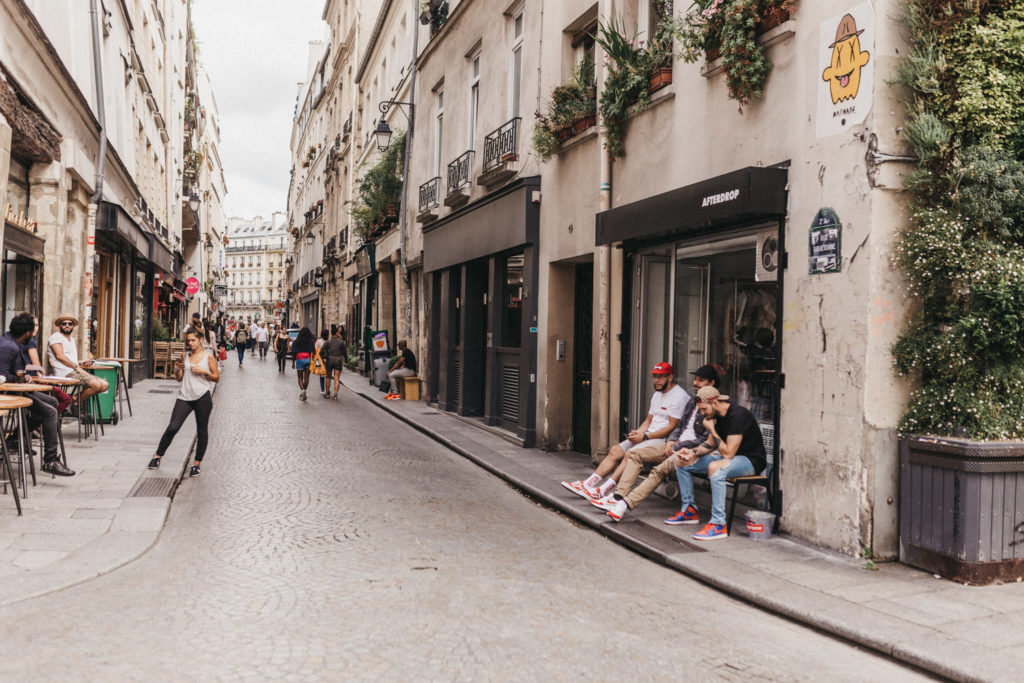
pixel 459 173
pixel 501 147
pixel 430 200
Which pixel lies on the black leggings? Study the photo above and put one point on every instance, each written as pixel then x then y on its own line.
pixel 203 406
pixel 281 357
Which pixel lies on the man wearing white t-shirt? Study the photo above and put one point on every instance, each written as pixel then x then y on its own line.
pixel 254 330
pixel 63 354
pixel 666 409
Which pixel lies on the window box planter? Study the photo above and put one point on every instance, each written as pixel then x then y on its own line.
pixel 564 133
pixel 581 124
pixel 962 508
pixel 661 77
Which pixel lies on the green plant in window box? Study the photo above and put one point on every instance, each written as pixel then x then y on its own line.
pixel 729 28
pixel 570 103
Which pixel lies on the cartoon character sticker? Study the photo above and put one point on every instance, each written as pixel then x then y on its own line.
pixel 843 74
pixel 845 90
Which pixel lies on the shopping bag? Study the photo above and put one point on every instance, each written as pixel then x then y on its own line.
pixel 317 367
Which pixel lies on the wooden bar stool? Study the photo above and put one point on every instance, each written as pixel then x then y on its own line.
pixel 11 407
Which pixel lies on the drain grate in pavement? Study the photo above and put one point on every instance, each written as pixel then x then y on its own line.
pixel 153 487
pixel 161 391
pixel 658 539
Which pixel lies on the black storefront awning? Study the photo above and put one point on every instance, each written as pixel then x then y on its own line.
pixel 505 219
pixel 161 256
pixel 742 196
pixel 115 225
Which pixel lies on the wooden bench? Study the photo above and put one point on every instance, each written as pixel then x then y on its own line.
pixel 409 388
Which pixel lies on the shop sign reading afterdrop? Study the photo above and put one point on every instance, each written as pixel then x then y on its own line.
pixel 825 243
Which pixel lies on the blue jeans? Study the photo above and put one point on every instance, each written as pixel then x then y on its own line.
pixel 241 353
pixel 739 467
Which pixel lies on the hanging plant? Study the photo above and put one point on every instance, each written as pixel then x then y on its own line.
pixel 380 186
pixel 729 28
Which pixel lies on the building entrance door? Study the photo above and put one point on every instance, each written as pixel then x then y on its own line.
pixel 582 343
pixel 652 320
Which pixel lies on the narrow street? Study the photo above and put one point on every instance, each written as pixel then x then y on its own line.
pixel 327 541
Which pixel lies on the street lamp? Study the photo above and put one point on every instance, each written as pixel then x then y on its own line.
pixel 209 246
pixel 383 132
pixel 383 135
pixel 310 238
pixel 193 202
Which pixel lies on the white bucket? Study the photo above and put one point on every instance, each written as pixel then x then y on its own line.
pixel 760 524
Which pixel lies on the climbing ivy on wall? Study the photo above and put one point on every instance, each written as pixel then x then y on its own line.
pixel 963 250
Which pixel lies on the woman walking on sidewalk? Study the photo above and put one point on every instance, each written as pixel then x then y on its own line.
pixel 318 360
pixel 280 346
pixel 334 349
pixel 198 373
pixel 303 346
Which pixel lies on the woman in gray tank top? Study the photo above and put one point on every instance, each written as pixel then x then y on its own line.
pixel 198 372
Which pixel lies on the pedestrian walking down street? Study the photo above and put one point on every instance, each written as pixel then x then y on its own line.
pixel 303 346
pixel 281 347
pixel 334 349
pixel 317 367
pixel 263 339
pixel 198 373
pixel 241 343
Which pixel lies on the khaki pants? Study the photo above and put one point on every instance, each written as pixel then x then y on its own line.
pixel 638 457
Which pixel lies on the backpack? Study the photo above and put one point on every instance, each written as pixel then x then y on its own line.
pixel 242 337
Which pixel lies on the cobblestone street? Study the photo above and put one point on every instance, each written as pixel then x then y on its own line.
pixel 326 540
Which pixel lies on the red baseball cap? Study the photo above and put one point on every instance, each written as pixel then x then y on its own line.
pixel 662 369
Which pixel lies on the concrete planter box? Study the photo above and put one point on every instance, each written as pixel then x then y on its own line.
pixel 962 508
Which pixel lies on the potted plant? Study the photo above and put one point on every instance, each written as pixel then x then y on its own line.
pixel 729 29
pixel 571 110
pixel 378 188
pixel 626 83
pixel 961 252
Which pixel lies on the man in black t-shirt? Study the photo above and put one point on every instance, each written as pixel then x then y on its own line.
pixel 741 452
pixel 405 366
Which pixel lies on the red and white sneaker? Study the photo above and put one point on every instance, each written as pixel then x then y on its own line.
pixel 576 487
pixel 617 510
pixel 605 503
pixel 711 532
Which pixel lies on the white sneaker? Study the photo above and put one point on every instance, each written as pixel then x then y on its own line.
pixel 618 509
pixel 576 487
pixel 605 503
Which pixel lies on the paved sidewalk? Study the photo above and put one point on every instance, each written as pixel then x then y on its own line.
pixel 76 528
pixel 955 631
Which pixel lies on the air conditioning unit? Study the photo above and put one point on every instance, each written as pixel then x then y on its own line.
pixel 767 269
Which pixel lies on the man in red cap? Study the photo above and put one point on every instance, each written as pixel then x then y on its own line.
pixel 667 405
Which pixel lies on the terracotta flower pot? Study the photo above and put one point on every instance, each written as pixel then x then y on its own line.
pixel 772 18
pixel 564 133
pixel 581 124
pixel 661 77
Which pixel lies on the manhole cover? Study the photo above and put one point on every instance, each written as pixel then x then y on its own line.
pixel 153 487
pixel 656 538
pixel 161 391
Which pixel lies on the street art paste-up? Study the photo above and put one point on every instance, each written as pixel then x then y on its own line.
pixel 845 91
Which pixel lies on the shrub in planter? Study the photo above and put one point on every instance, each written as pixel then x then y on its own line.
pixel 569 103
pixel 378 188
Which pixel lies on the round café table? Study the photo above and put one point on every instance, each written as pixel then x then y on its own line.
pixel 24 439
pixel 12 407
pixel 121 381
pixel 74 388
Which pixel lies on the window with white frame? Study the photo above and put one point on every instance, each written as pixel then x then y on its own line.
pixel 515 78
pixel 438 128
pixel 474 97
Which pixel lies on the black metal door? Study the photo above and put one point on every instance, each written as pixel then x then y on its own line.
pixel 582 344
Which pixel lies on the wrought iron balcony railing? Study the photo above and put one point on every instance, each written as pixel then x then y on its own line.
pixel 459 172
pixel 501 145
pixel 430 194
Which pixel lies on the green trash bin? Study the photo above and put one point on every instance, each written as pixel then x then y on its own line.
pixel 107 370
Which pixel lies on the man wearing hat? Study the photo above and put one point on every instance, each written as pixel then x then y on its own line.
pixel 63 354
pixel 43 411
pixel 741 452
pixel 689 433
pixel 667 405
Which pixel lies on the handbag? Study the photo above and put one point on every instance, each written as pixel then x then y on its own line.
pixel 223 353
pixel 317 367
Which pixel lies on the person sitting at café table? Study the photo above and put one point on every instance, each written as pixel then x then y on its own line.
pixel 63 353
pixel 43 411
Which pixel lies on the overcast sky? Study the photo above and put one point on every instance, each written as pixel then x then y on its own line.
pixel 255 52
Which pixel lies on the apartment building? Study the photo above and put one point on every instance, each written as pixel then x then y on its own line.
pixel 254 268
pixel 92 173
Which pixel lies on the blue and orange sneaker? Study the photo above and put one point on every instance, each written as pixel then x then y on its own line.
pixel 687 516
pixel 711 532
